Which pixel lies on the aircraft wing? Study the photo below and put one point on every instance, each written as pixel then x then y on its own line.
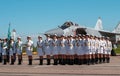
pixel 108 34
pixel 57 31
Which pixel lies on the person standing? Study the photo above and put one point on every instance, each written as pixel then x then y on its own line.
pixel 40 50
pixel 4 51
pixel 19 50
pixel 29 49
pixel 55 49
pixel 109 48
pixel 63 50
pixel 0 50
pixel 11 50
pixel 47 45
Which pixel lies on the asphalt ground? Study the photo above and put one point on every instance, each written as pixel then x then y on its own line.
pixel 105 69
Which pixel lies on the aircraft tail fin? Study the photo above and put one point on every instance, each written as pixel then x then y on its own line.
pixel 117 28
pixel 99 24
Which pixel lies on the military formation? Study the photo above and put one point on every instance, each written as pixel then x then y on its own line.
pixel 70 50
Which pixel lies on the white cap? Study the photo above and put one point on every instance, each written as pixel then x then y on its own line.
pixel 19 37
pixel 29 36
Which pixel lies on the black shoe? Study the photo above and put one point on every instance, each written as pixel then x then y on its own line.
pixel 48 61
pixel 0 59
pixel 12 62
pixel 55 62
pixel 93 61
pixel 5 61
pixel 96 60
pixel 71 61
pixel 88 61
pixel 100 60
pixel 108 60
pixel 41 62
pixel 80 62
pixel 104 60
pixel 76 61
pixel 30 62
pixel 19 61
pixel 59 61
pixel 63 61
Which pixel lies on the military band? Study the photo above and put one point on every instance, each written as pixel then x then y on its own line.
pixel 79 49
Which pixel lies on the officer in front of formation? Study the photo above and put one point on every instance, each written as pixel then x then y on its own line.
pixel 29 49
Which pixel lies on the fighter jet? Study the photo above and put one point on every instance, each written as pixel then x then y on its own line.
pixel 70 28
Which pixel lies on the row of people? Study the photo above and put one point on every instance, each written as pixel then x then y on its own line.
pixel 71 50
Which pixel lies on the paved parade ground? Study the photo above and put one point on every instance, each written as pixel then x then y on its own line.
pixel 105 69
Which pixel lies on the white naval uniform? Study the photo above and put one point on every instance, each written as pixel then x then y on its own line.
pixel 101 46
pixel 55 47
pixel 47 46
pixel 4 47
pixel 19 47
pixel 97 48
pixel 80 45
pixel 59 46
pixel 70 47
pixel 40 48
pixel 92 46
pixel 29 47
pixel 109 47
pixel 87 47
pixel 63 46
pixel 12 48
pixel 75 46
pixel 104 47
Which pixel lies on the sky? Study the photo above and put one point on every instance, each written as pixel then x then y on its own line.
pixel 38 16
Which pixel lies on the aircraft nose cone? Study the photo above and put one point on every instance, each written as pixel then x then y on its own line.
pixel 57 31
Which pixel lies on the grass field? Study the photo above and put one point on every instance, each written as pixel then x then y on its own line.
pixel 117 50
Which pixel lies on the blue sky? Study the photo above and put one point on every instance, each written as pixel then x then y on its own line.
pixel 38 16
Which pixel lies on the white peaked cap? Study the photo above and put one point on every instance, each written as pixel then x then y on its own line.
pixel 29 36
pixel 19 37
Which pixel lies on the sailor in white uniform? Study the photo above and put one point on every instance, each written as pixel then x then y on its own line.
pixel 71 49
pixel 4 51
pixel 55 49
pixel 29 49
pixel 75 49
pixel 87 49
pixel 19 50
pixel 47 46
pixel 92 49
pixel 109 48
pixel 97 49
pixel 59 47
pixel 11 50
pixel 63 50
pixel 104 49
pixel 40 50
pixel 80 49
pixel 101 50
pixel 0 50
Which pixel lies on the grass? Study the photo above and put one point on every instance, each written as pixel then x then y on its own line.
pixel 117 50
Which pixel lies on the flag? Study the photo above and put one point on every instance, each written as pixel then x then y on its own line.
pixel 9 33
